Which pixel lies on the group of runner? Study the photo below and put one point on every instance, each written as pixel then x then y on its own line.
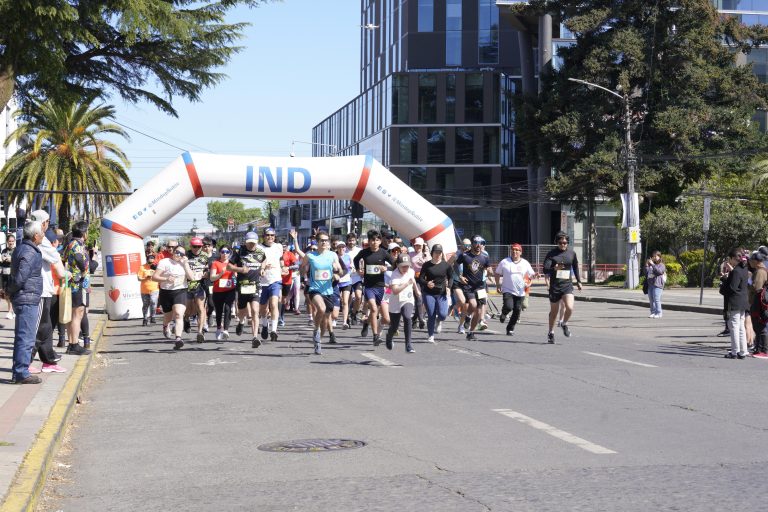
pixel 381 284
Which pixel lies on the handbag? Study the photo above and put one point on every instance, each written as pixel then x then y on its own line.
pixel 65 303
pixel 645 286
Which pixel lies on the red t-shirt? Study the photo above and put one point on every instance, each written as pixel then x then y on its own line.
pixel 289 259
pixel 224 283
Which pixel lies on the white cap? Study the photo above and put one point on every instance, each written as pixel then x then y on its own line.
pixel 418 241
pixel 393 245
pixel 39 216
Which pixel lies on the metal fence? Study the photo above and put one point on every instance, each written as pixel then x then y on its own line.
pixel 535 255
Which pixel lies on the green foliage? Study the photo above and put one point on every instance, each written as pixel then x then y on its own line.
pixel 686 94
pixel 79 49
pixel 675 274
pixel 219 212
pixel 60 148
pixel 93 236
pixel 690 258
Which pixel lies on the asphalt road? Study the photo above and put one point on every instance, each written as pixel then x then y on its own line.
pixel 628 414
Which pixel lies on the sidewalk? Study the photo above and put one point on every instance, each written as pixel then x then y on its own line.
pixel 33 417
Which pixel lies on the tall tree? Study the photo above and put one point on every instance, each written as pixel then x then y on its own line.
pixel 688 96
pixel 65 49
pixel 60 148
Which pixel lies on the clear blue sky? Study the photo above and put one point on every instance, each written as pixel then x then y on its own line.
pixel 300 63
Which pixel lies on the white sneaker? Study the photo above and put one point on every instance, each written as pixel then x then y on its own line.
pixel 9 315
pixel 431 339
pixel 225 335
pixel 439 328
pixel 333 323
pixel 218 335
pixel 461 329
pixel 652 315
pixel 205 327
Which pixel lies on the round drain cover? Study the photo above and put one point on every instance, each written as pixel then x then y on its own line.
pixel 312 445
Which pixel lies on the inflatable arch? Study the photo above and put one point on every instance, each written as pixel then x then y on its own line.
pixel 195 175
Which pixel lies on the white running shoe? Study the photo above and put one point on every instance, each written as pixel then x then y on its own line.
pixel 431 339
pixel 10 315
pixel 461 329
pixel 439 328
pixel 218 335
pixel 225 335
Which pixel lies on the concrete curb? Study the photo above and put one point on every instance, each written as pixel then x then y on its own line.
pixel 24 493
pixel 693 308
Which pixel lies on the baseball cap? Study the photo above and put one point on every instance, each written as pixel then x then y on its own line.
pixel 437 248
pixel 340 243
pixel 478 240
pixel 403 259
pixel 39 216
pixel 392 246
pixel 269 231
pixel 418 241
pixel 252 236
pixel 196 241
pixel 517 246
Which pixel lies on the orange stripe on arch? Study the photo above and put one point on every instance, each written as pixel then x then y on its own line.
pixel 363 179
pixel 432 233
pixel 192 172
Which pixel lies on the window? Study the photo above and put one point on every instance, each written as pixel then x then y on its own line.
pixel 436 146
pixel 446 178
pixel 488 32
pixel 400 99
pixel 408 145
pixel 473 98
pixel 490 145
pixel 417 178
pixel 426 15
pixel 450 98
pixel 453 33
pixel 427 98
pixel 465 145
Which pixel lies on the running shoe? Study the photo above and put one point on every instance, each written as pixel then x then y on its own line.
pixel 218 335
pixel 467 322
pixel 421 323
pixel 76 350
pixel 152 320
pixel 200 337
pixel 205 327
pixel 32 379
pixel 144 322
pixel 281 323
pixel 264 332
pixel 730 355
pixel 376 340
pixel 52 368
pixel 558 323
pixel 318 351
pixel 503 318
pixel 741 356
pixel 439 327
pixel 346 326
pixel 239 329
pixel 551 338
pixel 724 333
pixel 225 335
pixel 187 326
pixel 461 330
pixel 431 339
pixel 390 343
pixel 34 369
pixel 760 355
pixel 273 336
pixel 364 330
pixel 167 331
pixel 179 343
pixel 483 326
pixel 471 336
pixel 255 343
pixel 566 330
pixel 510 331
pixel 409 348
pixel 332 338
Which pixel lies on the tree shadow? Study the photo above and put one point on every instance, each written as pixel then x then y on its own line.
pixel 687 350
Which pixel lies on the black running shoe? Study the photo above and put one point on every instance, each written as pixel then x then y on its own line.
pixel 264 332
pixel 551 338
pixel 376 340
pixel 471 336
pixel 187 326
pixel 566 330
pixel 467 322
pixel 239 329
pixel 332 338
pixel 510 330
pixel 144 322
pixel 364 330
pixel 273 336
pixel 390 343
pixel 421 324
pixel 255 343
pixel 503 318
pixel 200 337
pixel 77 350
pixel 179 343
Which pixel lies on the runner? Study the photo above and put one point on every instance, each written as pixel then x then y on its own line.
pixel 224 285
pixel 319 267
pixel 149 290
pixel 513 271
pixel 271 282
pixel 418 258
pixel 196 294
pixel 401 301
pixel 558 265
pixel 291 261
pixel 435 277
pixel 355 280
pixel 371 262
pixel 459 300
pixel 474 264
pixel 345 282
pixel 172 274
pixel 247 263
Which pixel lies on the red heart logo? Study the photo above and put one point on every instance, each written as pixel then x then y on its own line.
pixel 114 294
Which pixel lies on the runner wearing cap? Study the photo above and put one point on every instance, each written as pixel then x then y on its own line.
pixel 271 282
pixel 172 274
pixel 291 261
pixel 196 293
pixel 474 263
pixel 247 263
pixel 345 282
pixel 371 263
pixel 459 299
pixel 401 301
pixel 558 265
pixel 320 267
pixel 515 273
pixel 435 279
pixel 418 258
pixel 394 251
pixel 355 280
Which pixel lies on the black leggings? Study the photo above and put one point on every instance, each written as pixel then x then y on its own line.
pixel 406 311
pixel 514 304
pixel 222 304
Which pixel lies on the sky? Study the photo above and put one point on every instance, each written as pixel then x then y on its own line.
pixel 300 63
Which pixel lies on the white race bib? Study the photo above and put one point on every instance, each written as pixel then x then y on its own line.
pixel 322 275
pixel 481 293
pixel 405 295
pixel 248 289
pixel 563 274
pixel 374 269
pixel 7 270
pixel 197 276
pixel 225 283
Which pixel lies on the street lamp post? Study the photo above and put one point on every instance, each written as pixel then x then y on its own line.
pixel 630 162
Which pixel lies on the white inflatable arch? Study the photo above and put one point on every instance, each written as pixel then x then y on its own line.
pixel 195 175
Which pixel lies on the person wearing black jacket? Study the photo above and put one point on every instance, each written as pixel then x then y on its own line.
pixel 736 290
pixel 435 278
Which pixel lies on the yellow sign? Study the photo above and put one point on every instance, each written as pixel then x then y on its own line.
pixel 634 235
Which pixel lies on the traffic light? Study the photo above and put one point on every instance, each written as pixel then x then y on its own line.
pixel 296 216
pixel 357 210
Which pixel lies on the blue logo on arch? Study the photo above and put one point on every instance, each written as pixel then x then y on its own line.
pixel 295 180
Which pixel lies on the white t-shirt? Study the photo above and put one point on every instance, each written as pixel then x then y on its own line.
pixel 512 275
pixel 396 300
pixel 50 256
pixel 169 267
pixel 274 274
pixel 354 277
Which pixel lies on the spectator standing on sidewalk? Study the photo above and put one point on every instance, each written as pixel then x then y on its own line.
pixel 5 267
pixel 655 272
pixel 150 290
pixel 725 269
pixel 26 290
pixel 759 277
pixel 737 294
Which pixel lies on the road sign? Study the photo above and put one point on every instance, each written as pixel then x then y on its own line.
pixel 707 203
pixel 230 222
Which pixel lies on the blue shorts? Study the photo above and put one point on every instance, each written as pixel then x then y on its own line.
pixel 376 294
pixel 271 290
pixel 336 297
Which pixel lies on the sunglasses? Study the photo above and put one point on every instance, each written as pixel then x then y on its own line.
pixel 225 251
pixel 270 234
pixel 323 240
pixel 179 253
pixel 173 247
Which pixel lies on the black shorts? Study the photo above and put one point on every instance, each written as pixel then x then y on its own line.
pixel 199 293
pixel 287 289
pixel 244 300
pixel 356 286
pixel 471 293
pixel 328 299
pixel 78 298
pixel 556 294
pixel 168 299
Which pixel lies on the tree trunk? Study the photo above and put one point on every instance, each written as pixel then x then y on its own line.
pixel 7 85
pixel 64 219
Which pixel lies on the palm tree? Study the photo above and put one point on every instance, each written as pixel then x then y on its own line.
pixel 60 149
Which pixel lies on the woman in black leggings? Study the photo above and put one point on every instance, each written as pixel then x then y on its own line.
pixel 223 280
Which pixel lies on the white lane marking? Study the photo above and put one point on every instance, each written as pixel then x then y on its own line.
pixel 461 351
pixel 620 359
pixel 555 432
pixel 380 360
pixel 214 362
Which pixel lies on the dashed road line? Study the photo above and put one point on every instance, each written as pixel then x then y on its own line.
pixel 620 359
pixel 380 360
pixel 556 432
pixel 214 362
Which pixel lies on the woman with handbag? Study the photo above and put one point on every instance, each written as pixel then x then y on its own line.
pixel 655 276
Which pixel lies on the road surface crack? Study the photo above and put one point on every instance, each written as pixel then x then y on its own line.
pixel 458 492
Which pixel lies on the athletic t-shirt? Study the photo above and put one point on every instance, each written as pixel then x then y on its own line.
pixel 291 262
pixel 248 282
pixel 346 264
pixel 170 267
pixel 441 273
pixel 198 265
pixel 474 268
pixel 273 254
pixel 374 266
pixel 513 275
pixel 321 272
pixel 558 266
pixel 354 276
pixel 406 296
pixel 226 281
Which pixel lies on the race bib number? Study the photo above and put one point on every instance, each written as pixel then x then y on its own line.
pixel 225 283
pixel 248 289
pixel 374 269
pixel 405 295
pixel 481 293
pixel 197 276
pixel 322 275
pixel 7 270
pixel 563 274
pixel 210 290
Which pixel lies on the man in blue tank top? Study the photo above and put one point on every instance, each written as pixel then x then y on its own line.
pixel 319 267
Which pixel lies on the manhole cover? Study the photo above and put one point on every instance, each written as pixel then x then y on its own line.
pixel 312 445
